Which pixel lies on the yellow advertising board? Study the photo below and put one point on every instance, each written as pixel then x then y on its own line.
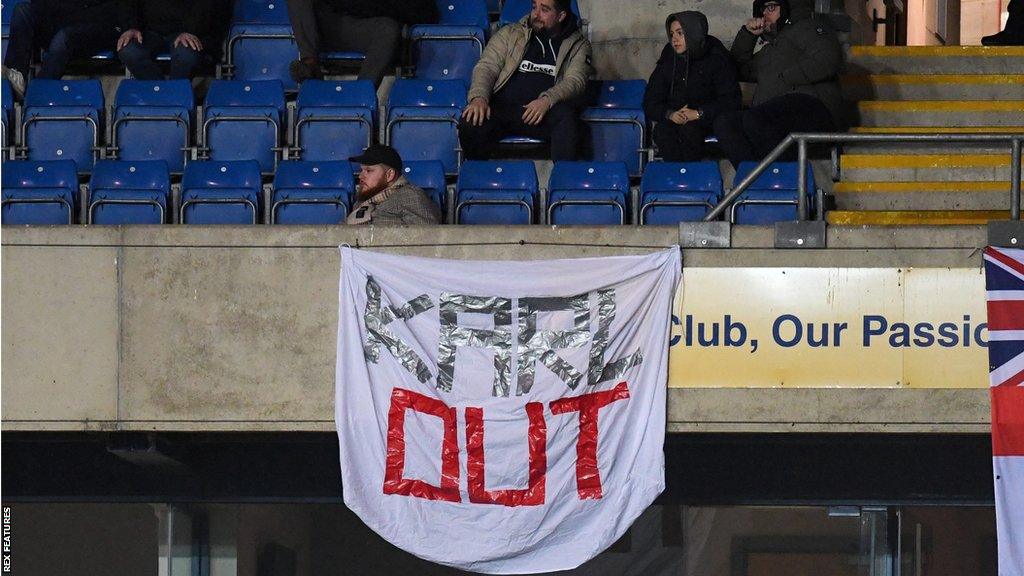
pixel 830 327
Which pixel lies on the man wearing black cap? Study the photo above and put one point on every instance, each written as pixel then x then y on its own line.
pixel 386 198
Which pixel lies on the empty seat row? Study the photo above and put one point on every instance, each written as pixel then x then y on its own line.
pixel 334 120
pixel 305 192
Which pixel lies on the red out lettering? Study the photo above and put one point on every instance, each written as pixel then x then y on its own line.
pixel 394 482
pixel 537 438
pixel 588 476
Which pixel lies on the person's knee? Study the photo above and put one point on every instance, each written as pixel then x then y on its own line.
pixel 563 116
pixel 132 54
pixel 184 56
pixel 59 45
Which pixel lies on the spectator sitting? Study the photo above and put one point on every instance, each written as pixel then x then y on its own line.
pixel 386 198
pixel 526 81
pixel 373 27
pixel 1013 33
pixel 185 28
pixel 797 72
pixel 693 81
pixel 64 29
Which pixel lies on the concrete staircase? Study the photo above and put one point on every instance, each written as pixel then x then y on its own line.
pixel 929 90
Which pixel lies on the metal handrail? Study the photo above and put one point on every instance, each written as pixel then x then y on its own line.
pixel 803 139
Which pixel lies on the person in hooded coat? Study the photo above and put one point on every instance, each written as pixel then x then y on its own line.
pixel 795 60
pixel 1013 33
pixel 693 82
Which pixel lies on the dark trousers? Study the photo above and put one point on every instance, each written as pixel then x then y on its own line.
pixel 680 142
pixel 140 58
pixel 318 28
pixel 752 134
pixel 560 125
pixel 61 39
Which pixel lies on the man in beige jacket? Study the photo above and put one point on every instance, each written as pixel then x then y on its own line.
pixel 526 83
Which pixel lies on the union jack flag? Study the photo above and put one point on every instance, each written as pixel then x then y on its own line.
pixel 1004 286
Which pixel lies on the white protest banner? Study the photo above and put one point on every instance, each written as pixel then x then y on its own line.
pixel 503 417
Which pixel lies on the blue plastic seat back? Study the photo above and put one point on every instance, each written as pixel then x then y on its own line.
pixel 63 120
pixel 616 122
pixel 221 192
pixel 497 192
pixel 422 120
pixel 260 12
pixel 261 107
pixel 39 192
pixel 260 43
pixel 153 121
pixel 780 176
pixel 616 94
pixel 591 193
pixel 335 120
pixel 673 192
pixel 427 93
pixel 772 197
pixel 514 10
pixel 312 192
pixel 428 175
pixel 446 52
pixel 7 96
pixel 463 13
pixel 129 192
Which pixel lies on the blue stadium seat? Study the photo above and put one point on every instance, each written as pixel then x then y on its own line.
pixel 221 193
pixel 514 10
pixel 616 121
pixel 334 120
pixel 428 175
pixel 6 12
pixel 8 111
pixel 260 44
pixel 451 48
pixel 423 120
pixel 496 192
pixel 152 120
pixel 589 193
pixel 39 192
pixel 772 197
pixel 673 192
pixel 311 193
pixel 242 121
pixel 129 192
pixel 63 121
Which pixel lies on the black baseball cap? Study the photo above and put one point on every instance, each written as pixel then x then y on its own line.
pixel 379 154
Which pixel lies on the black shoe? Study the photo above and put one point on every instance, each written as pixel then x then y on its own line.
pixel 302 70
pixel 1004 38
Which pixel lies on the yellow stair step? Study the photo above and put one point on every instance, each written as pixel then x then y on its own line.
pixel 914 217
pixel 898 187
pixel 937 129
pixel 941 105
pixel 889 161
pixel 904 79
pixel 933 51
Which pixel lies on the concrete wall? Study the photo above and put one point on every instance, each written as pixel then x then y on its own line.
pixel 207 328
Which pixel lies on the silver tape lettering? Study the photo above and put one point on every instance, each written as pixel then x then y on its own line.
pixel 598 371
pixel 540 345
pixel 454 336
pixel 376 318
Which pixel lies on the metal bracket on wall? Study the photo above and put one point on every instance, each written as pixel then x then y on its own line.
pixel 1006 233
pixel 806 234
pixel 715 234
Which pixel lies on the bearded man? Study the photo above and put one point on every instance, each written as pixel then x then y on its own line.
pixel 386 198
pixel 527 82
